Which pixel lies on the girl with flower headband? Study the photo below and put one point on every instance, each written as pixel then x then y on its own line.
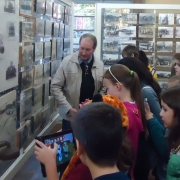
pixel 124 84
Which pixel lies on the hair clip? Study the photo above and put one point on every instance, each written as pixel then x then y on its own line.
pixel 131 72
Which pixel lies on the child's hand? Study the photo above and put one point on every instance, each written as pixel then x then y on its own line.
pixel 45 154
pixel 148 113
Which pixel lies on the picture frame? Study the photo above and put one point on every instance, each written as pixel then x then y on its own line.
pixel 55 30
pixel 46 70
pixel 66 31
pixel 40 7
pixel 62 29
pixel 53 49
pixel 9 6
pixel 59 48
pixel 66 43
pixel 48 28
pixel 37 95
pixel 110 45
pixel 177 47
pixel 166 19
pixel 164 46
pixel 38 74
pixel 177 35
pixel 111 31
pixel 40 27
pixel 36 120
pixel 128 31
pixel 129 18
pixel 146 31
pixel 147 18
pixel 38 51
pixel 111 18
pixel 11 30
pixel 165 32
pixel 26 8
pixel 45 93
pixel 48 9
pixel 47 49
pixel 146 46
pixel 164 61
pixel 110 59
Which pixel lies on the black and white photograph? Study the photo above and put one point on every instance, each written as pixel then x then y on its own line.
pixel 110 59
pixel 59 48
pixel 111 18
pixel 164 46
pixel 66 43
pixel 26 80
pixel 28 30
pixel 37 92
pixel 123 44
pixel 45 117
pixel 39 27
pixel 55 29
pixel 163 85
pixel 146 31
pixel 54 67
pixel 150 59
pixel 177 47
pixel 165 32
pixel 26 7
pixel 36 120
pixel 163 74
pixel 11 71
pixel 67 31
pixel 38 74
pixel 49 6
pixel 27 56
pixel 53 49
pixel 128 31
pixel 8 119
pixel 46 70
pixel 110 45
pixel 111 30
pixel 48 28
pixel 40 7
pixel 177 32
pixel 178 19
pixel 9 6
pixel 166 19
pixel 129 18
pixel 62 29
pixel 38 49
pixel 11 30
pixel 47 49
pixel 147 18
pixel 146 46
pixel 164 60
pixel 45 93
pixel 23 135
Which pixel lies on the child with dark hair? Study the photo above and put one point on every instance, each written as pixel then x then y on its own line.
pixel 170 101
pixel 143 58
pixel 130 51
pixel 98 131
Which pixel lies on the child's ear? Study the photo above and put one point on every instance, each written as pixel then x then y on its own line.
pixel 132 55
pixel 80 148
pixel 118 86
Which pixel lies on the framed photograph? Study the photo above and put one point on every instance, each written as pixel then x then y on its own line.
pixel 59 48
pixel 55 29
pixel 46 70
pixel 177 47
pixel 67 31
pixel 163 74
pixel 39 27
pixel 146 31
pixel 26 80
pixel 147 18
pixel 23 135
pixel 58 11
pixel 163 85
pixel 49 6
pixel 177 32
pixel 128 31
pixel 110 59
pixel 110 45
pixel 47 49
pixel 164 46
pixel 146 46
pixel 62 29
pixel 37 93
pixel 125 43
pixel 45 117
pixel 53 49
pixel 66 43
pixel 8 118
pixel 166 19
pixel 48 28
pixel 45 93
pixel 150 59
pixel 165 32
pixel 26 7
pixel 178 19
pixel 27 30
pixel 54 67
pixel 38 51
pixel 129 18
pixel 164 61
pixel 9 6
pixel 52 106
pixel 111 31
pixel 36 120
pixel 11 71
pixel 38 74
pixel 111 17
pixel 27 56
pixel 11 30
pixel 40 7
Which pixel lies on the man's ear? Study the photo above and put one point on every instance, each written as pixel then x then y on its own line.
pixel 132 55
pixel 80 149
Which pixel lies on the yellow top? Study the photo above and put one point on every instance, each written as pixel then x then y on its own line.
pixel 153 72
